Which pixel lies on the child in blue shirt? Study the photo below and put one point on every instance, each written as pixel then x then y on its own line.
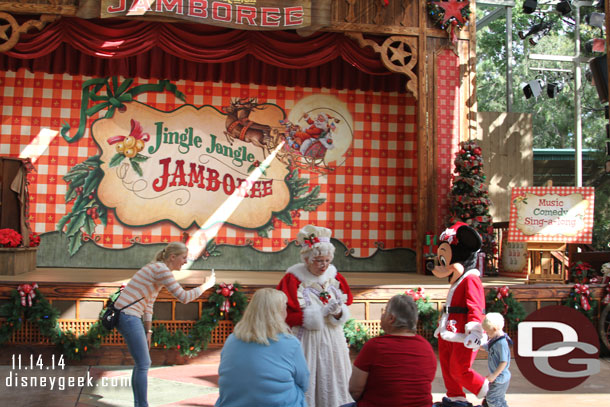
pixel 498 360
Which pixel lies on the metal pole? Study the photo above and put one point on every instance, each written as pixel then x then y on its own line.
pixel 577 107
pixel 509 59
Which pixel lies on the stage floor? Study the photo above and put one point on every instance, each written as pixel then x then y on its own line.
pixel 251 278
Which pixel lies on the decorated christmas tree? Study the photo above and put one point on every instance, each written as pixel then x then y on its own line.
pixel 469 200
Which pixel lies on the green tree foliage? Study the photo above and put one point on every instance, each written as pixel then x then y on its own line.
pixel 553 118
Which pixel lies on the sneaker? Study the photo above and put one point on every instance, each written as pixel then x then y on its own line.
pixel 450 403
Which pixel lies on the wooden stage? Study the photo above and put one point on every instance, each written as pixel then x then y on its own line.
pixel 79 294
pixel 250 278
pixel 370 289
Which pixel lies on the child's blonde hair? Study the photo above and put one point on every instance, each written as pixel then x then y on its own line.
pixel 493 320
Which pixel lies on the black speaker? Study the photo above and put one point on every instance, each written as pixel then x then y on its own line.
pixel 529 6
pixel 429 264
pixel 599 68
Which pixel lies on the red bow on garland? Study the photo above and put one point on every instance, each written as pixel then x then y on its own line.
pixel 416 294
pixel 584 292
pixel 501 294
pixel 26 291
pixel 226 290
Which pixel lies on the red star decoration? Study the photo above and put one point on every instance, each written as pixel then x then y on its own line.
pixel 453 8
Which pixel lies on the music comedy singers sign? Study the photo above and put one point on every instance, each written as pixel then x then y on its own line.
pixel 551 214
pixel 239 14
pixel 180 165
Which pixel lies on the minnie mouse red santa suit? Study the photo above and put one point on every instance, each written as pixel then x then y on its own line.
pixel 459 331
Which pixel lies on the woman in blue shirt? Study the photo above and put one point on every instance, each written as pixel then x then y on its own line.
pixel 261 363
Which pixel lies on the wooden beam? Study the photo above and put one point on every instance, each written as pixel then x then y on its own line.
pixel 425 163
pixel 32 8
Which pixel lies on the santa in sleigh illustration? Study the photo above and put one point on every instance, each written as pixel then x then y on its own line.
pixel 307 147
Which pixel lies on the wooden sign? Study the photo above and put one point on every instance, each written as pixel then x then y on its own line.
pixel 551 214
pixel 181 166
pixel 238 14
pixel 514 258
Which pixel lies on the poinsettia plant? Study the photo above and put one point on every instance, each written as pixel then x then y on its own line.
pixel 9 238
pixel 12 238
pixel 34 240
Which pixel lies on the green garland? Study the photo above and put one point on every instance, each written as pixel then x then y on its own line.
pixel 356 334
pixel 43 315
pixel 577 300
pixel 512 310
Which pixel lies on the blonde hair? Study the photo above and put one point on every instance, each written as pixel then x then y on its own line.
pixel 493 320
pixel 264 318
pixel 176 248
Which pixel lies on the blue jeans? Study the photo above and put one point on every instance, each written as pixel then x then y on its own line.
pixel 134 334
pixel 495 394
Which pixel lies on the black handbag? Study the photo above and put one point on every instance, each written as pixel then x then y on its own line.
pixel 110 317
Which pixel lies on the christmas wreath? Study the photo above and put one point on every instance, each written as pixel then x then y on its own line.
pixel 450 15
pixel 27 303
pixel 502 301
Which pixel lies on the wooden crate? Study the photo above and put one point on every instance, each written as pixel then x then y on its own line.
pixel 17 260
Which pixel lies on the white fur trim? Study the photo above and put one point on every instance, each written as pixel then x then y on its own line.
pixel 305 277
pixel 344 316
pixel 312 318
pixel 484 389
pixel 455 285
pixel 442 325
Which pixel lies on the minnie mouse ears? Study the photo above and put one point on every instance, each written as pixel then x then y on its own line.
pixel 464 240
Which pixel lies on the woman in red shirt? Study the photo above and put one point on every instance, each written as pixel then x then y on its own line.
pixel 396 369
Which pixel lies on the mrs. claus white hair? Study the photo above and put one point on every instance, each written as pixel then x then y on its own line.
pixel 314 242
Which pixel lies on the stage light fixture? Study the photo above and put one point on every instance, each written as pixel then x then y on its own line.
pixel 529 6
pixel 553 89
pixel 600 5
pixel 596 19
pixel 536 32
pixel 564 7
pixel 595 45
pixel 533 88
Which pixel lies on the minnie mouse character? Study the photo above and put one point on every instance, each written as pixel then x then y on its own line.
pixel 459 331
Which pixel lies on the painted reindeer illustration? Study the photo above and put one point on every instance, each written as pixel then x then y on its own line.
pixel 239 126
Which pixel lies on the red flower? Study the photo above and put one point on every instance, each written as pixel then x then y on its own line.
pixel 34 240
pixel 9 238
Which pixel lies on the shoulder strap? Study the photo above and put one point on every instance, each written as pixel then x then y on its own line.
pixel 127 306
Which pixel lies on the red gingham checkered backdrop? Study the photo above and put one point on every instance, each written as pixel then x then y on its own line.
pixel 370 199
pixel 448 126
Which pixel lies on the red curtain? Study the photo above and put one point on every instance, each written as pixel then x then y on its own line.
pixel 200 52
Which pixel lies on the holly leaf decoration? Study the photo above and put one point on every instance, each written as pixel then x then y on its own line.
pixel 116 160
